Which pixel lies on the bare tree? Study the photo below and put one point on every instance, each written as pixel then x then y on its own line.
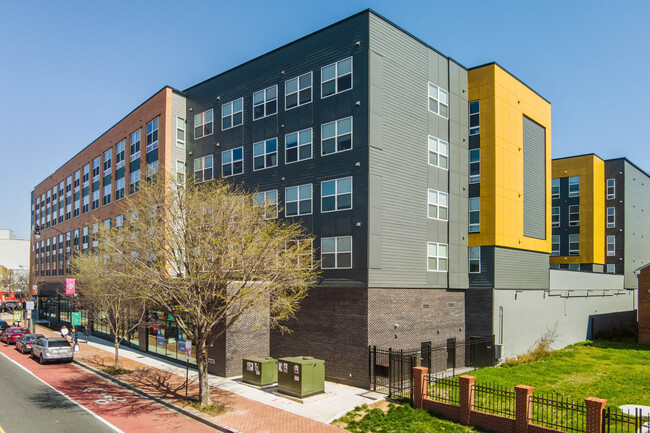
pixel 208 254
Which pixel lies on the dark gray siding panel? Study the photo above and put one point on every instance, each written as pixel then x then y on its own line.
pixel 484 279
pixel 520 269
pixel 534 179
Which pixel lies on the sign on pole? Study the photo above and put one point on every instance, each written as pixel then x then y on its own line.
pixel 76 319
pixel 29 305
pixel 69 286
pixel 28 314
pixel 18 315
pixel 188 350
pixel 34 289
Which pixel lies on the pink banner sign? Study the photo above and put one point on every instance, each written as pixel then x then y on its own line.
pixel 69 286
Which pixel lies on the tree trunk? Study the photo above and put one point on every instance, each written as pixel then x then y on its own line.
pixel 202 367
pixel 117 348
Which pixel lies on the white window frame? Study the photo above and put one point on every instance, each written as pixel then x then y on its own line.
pixel 301 256
pixel 119 192
pixel 573 211
pixel 555 186
pixel 299 90
pixel 437 200
pixel 611 245
pixel 152 135
pixel 202 125
pixel 475 178
pixel 337 194
pixel 573 251
pixel 336 252
pixel 180 131
pixel 97 166
pixel 611 195
pixel 108 156
pixel 85 177
pixel 337 136
pixel 299 145
pixel 136 140
pixel 555 251
pixel 555 222
pixel 202 167
pixel 572 181
pixel 265 153
pixel 232 114
pixel 610 268
pixel 475 259
pixel 120 154
pixel 474 130
pixel 611 218
pixel 267 201
pixel 434 148
pixel 134 181
pixel 266 100
pixel 180 172
pixel 299 199
pixel 431 254
pixel 106 196
pixel 232 161
pixel 474 227
pixel 337 76
pixel 436 96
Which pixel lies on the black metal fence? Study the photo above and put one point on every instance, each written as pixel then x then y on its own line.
pixel 557 412
pixel 443 388
pixel 614 422
pixel 391 372
pixel 495 400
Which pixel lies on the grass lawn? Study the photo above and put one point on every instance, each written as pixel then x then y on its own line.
pixel 383 417
pixel 618 372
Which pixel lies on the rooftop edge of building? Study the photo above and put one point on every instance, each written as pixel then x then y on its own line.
pixel 512 75
pixel 605 160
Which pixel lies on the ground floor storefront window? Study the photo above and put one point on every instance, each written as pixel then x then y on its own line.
pixel 165 338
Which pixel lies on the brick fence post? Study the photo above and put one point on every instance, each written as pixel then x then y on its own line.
pixel 523 407
pixel 466 396
pixel 419 386
pixel 595 408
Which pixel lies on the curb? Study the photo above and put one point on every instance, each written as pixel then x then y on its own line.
pixel 159 400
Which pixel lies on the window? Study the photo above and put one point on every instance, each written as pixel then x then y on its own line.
pixel 436 257
pixel 297 91
pixel 298 200
pixel 475 166
pixel 202 124
pixel 152 135
pixel 611 217
pixel 95 204
pixel 336 253
pixel 438 152
pixel 268 199
pixel 96 163
pixel 336 136
pixel 119 188
pixel 304 249
pixel 180 172
pixel 119 155
pixel 232 114
pixel 119 221
pixel 107 223
pixel 95 230
pixel 77 175
pixel 84 238
pixel 474 118
pixel 107 194
pixel 107 162
pixel 574 245
pixel 475 215
pixel 438 205
pixel 336 194
pixel 574 266
pixel 438 100
pixel 574 186
pixel 574 215
pixel 555 245
pixel 555 216
pixel 232 162
pixel 297 146
pixel 86 175
pixel 134 181
pixel 265 154
pixel 474 260
pixel 336 78
pixel 135 145
pixel 610 268
pixel 203 169
pixel 152 169
pixel 68 185
pixel 265 102
pixel 611 189
pixel 180 132
pixel 555 188
pixel 611 245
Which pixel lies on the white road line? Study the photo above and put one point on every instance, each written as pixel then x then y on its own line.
pixel 66 396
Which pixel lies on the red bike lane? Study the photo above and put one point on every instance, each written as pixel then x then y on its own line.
pixel 119 407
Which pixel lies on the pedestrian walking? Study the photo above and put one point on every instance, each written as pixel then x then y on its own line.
pixel 86 332
pixel 64 332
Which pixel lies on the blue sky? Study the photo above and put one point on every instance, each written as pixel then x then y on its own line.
pixel 69 70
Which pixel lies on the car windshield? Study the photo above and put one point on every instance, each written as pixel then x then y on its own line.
pixel 59 344
pixel 19 330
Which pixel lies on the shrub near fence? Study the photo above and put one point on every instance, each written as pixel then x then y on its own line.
pixel 504 411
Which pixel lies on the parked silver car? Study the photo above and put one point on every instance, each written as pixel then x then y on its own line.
pixel 52 349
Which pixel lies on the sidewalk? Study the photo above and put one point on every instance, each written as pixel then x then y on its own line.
pixel 250 409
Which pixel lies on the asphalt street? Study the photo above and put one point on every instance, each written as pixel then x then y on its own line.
pixel 30 405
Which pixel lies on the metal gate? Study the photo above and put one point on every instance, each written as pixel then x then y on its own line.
pixel 391 372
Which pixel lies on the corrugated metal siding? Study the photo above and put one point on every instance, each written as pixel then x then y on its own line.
pixel 634 221
pixel 400 69
pixel 486 278
pixel 534 179
pixel 520 269
pixel 177 152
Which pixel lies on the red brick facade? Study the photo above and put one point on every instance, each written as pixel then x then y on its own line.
pixel 643 276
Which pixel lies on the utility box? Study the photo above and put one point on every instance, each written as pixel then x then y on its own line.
pixel 301 376
pixel 260 371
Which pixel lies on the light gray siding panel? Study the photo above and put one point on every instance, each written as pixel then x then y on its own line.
pixel 636 214
pixel 520 269
pixel 534 179
pixel 400 68
pixel 178 153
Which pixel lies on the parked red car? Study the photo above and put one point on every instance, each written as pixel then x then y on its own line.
pixel 10 335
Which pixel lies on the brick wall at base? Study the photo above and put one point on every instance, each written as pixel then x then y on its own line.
pixel 644 305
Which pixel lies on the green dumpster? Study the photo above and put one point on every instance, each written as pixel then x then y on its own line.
pixel 260 371
pixel 301 376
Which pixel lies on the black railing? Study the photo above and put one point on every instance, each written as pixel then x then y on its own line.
pixel 443 388
pixel 614 422
pixel 495 400
pixel 557 412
